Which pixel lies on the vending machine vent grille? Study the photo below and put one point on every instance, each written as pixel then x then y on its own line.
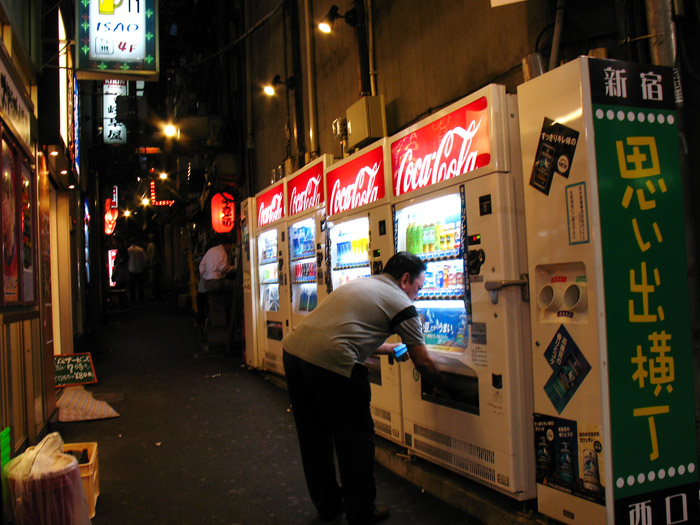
pixel 382 428
pixel 272 364
pixel 459 445
pixel 458 462
pixel 381 413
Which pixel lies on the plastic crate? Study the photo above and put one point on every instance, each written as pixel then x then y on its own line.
pixel 89 472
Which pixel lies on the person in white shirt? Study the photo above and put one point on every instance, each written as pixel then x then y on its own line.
pixel 214 268
pixel 137 266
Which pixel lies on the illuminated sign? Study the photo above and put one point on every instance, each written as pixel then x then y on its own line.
pixel 113 132
pixel 14 106
pixel 356 183
pixel 155 201
pixel 649 337
pixel 117 38
pixel 270 206
pixel 305 190
pixel 223 212
pixel 111 216
pixel 447 147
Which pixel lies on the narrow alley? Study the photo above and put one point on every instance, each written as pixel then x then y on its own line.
pixel 203 440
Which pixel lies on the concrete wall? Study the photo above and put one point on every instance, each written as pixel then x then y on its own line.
pixel 427 54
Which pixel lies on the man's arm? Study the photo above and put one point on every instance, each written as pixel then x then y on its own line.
pixel 426 366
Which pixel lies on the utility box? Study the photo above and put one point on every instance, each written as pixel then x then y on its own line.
pixel 366 121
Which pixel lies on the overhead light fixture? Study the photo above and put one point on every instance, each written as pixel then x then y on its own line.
pixel 163 175
pixel 170 130
pixel 145 201
pixel 326 23
pixel 271 88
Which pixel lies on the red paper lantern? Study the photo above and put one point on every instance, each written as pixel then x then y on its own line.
pixel 111 215
pixel 223 213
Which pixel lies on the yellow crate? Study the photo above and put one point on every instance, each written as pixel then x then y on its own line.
pixel 89 472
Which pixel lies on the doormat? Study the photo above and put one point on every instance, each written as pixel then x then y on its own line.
pixel 77 404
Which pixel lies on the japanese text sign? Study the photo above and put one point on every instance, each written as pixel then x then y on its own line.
pixel 357 182
pixel 445 148
pixel 270 206
pixel 117 37
pixel 305 190
pixel 646 293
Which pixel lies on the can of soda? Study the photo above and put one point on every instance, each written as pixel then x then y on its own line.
pixel 591 473
pixel 440 279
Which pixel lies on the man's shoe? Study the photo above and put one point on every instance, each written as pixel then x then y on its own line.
pixel 330 515
pixel 381 512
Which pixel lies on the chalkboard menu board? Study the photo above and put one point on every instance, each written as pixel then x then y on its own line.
pixel 74 369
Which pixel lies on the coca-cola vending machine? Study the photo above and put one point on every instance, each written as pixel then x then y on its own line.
pixel 457 204
pixel 307 210
pixel 250 283
pixel 273 282
pixel 359 242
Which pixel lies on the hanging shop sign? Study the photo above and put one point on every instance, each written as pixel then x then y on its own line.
pixel 646 293
pixel 305 190
pixel 111 216
pixel 270 205
pixel 223 212
pixel 15 109
pixel 357 182
pixel 113 132
pixel 117 39
pixel 446 147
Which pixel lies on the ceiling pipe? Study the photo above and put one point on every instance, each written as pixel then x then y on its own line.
pixel 362 51
pixel 556 39
pixel 662 41
pixel 370 34
pixel 311 78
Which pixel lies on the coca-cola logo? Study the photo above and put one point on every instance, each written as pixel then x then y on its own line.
pixel 270 213
pixel 431 155
pixel 363 190
pixel 310 196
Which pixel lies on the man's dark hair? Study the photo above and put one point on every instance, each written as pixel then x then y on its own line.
pixel 404 262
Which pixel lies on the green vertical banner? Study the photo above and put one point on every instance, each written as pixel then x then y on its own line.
pixel 652 414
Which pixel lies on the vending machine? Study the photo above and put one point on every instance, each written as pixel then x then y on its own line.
pixel 457 204
pixel 359 242
pixel 250 286
pixel 612 351
pixel 307 209
pixel 273 280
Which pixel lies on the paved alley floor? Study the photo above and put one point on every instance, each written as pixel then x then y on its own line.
pixel 203 440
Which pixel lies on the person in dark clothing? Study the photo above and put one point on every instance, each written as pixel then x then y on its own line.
pixel 329 386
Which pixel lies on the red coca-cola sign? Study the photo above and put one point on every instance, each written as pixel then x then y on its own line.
pixel 305 191
pixel 447 147
pixel 356 183
pixel 270 206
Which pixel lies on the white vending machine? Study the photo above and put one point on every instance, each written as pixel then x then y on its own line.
pixel 457 204
pixel 611 336
pixel 307 211
pixel 273 281
pixel 359 244
pixel 250 286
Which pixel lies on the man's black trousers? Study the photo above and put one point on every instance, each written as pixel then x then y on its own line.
pixel 333 411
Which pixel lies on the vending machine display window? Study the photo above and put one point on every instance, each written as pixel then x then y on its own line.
pixel 349 246
pixel 268 271
pixel 303 262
